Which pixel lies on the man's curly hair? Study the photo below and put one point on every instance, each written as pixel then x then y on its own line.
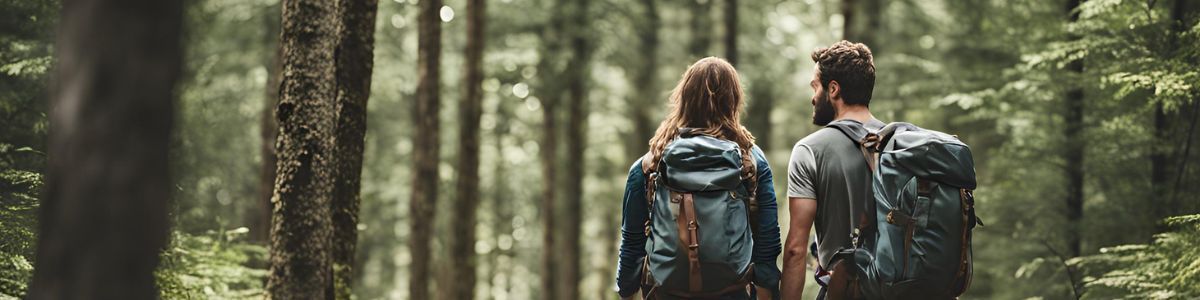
pixel 852 66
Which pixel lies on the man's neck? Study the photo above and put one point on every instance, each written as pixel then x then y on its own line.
pixel 859 113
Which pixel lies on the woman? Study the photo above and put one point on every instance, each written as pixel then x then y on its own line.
pixel 707 102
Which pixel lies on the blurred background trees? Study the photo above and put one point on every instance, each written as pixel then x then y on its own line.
pixel 1081 115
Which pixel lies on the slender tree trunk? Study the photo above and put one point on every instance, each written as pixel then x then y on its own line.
pixel 425 145
pixel 640 103
pixel 645 83
pixel 104 215
pixel 260 220
pixel 577 114
pixel 355 61
pixel 462 242
pixel 762 100
pixel 701 25
pixel 302 232
pixel 548 151
pixel 501 202
pixel 1073 132
pixel 731 28
pixel 849 17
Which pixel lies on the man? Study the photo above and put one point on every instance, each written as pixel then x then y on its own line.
pixel 828 178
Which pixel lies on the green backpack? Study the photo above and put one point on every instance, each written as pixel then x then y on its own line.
pixel 700 232
pixel 913 241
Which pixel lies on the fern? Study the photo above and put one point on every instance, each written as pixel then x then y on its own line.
pixel 1168 268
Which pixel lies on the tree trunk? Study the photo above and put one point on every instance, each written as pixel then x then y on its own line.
pixel 701 25
pixel 577 114
pixel 548 151
pixel 759 117
pixel 260 220
pixel 640 103
pixel 861 21
pixel 425 147
pixel 1073 132
pixel 462 241
pixel 104 215
pixel 355 60
pixel 731 28
pixel 302 231
pixel 644 83
pixel 502 203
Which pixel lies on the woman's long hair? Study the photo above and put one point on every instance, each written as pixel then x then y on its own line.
pixel 709 98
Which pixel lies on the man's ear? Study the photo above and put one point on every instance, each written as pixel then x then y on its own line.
pixel 835 90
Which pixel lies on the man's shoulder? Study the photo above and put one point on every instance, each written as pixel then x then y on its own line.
pixel 821 139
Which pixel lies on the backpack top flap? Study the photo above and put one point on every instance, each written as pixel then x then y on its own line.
pixel 930 154
pixel 701 163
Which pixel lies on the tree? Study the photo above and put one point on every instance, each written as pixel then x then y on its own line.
pixel 301 231
pixel 731 28
pixel 425 146
pixel 1073 151
pixel 548 151
pixel 701 26
pixel 577 114
pixel 644 81
pixel 104 213
pixel 355 61
pixel 462 242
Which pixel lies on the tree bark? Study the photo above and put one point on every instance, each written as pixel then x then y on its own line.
pixel 577 114
pixel 301 233
pixel 463 260
pixel 1073 154
pixel 355 61
pixel 104 215
pixel 425 146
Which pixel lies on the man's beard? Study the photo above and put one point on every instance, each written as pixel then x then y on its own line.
pixel 823 111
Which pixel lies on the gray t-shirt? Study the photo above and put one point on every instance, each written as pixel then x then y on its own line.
pixel 828 167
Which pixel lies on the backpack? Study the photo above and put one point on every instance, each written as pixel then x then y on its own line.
pixel 913 240
pixel 702 211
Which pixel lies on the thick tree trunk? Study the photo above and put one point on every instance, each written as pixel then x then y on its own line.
pixel 260 220
pixel 462 260
pixel 104 215
pixel 577 114
pixel 425 147
pixel 355 61
pixel 301 234
pixel 1073 133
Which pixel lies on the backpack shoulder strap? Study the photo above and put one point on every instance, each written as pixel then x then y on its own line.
pixel 867 143
pixel 750 178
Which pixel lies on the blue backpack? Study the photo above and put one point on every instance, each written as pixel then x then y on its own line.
pixel 913 240
pixel 700 232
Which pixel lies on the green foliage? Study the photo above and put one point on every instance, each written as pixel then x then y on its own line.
pixel 18 220
pixel 214 265
pixel 1168 268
